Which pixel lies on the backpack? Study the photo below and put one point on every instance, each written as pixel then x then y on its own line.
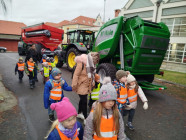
pixel 74 68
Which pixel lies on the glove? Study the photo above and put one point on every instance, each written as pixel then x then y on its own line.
pixel 145 106
pixel 15 73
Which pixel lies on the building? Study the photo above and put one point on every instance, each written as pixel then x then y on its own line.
pixel 80 22
pixel 10 33
pixel 173 14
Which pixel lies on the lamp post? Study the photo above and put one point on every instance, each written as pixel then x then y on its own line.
pixel 104 11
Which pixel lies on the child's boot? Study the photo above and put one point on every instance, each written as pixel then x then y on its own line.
pixel 129 124
pixel 51 118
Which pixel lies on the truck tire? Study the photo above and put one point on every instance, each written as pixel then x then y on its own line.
pixel 59 63
pixel 71 54
pixel 106 69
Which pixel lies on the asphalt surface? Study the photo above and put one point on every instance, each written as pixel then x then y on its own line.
pixel 164 120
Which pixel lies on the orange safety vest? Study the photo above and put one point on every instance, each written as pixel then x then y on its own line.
pixel 30 66
pixel 123 95
pixel 63 137
pixel 132 95
pixel 56 91
pixel 21 66
pixel 106 130
pixel 44 60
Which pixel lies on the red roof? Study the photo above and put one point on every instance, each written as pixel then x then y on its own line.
pixel 52 24
pixel 11 27
pixel 64 22
pixel 83 21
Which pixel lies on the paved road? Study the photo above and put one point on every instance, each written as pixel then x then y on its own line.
pixel 165 118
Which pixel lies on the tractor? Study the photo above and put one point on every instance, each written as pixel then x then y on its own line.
pixel 78 42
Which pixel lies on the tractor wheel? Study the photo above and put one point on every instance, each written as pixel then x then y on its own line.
pixel 106 69
pixel 71 54
pixel 57 61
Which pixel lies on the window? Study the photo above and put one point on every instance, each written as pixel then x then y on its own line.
pixel 176 53
pixel 177 26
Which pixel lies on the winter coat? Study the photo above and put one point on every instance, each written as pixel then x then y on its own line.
pixel 81 84
pixel 89 131
pixel 54 135
pixel 142 96
pixel 48 87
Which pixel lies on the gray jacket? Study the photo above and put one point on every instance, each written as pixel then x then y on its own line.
pixel 88 131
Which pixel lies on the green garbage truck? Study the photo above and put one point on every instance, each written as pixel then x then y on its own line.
pixel 134 45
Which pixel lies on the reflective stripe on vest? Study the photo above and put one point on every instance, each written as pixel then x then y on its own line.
pixel 21 66
pixel 123 95
pixel 132 95
pixel 63 137
pixel 56 91
pixel 46 71
pixel 30 66
pixel 106 130
pixel 95 93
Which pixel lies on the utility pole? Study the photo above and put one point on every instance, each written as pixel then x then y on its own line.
pixel 104 11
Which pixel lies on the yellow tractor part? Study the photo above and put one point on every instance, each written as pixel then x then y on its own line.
pixel 71 58
pixel 56 59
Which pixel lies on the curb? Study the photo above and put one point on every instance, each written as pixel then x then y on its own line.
pixel 170 82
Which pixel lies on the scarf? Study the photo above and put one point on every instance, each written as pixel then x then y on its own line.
pixel 68 132
pixel 91 69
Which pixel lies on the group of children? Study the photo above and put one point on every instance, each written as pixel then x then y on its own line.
pixel 109 103
pixel 30 68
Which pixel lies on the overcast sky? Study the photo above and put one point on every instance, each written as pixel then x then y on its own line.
pixel 36 11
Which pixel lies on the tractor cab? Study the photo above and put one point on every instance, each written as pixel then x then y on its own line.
pixel 83 37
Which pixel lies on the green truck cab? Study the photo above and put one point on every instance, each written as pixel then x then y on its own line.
pixel 134 45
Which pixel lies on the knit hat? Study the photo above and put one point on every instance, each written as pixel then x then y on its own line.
pixel 20 58
pixel 107 91
pixel 97 77
pixel 120 74
pixel 130 78
pixel 64 109
pixel 55 72
pixel 95 57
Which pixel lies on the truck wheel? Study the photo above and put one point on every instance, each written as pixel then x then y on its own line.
pixel 57 61
pixel 71 54
pixel 106 69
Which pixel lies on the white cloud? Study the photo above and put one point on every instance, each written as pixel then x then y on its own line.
pixel 35 11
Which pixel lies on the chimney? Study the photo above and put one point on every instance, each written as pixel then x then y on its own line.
pixel 117 11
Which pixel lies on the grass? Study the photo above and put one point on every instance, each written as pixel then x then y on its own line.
pixel 176 77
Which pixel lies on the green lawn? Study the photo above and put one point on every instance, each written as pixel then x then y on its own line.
pixel 176 77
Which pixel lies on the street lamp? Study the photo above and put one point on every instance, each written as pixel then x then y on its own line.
pixel 104 11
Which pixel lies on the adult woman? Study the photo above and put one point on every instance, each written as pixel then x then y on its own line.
pixel 83 79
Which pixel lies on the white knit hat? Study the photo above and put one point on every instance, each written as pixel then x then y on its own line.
pixel 107 91
pixel 130 78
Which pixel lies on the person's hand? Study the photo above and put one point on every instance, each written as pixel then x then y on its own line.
pixel 28 74
pixel 129 106
pixel 15 73
pixel 145 106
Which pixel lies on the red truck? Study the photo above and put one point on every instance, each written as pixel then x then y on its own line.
pixel 46 38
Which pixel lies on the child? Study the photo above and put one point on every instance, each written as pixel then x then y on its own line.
pixel 53 64
pixel 30 69
pixel 133 91
pixel 65 127
pixel 93 96
pixel 119 84
pixel 53 91
pixel 105 121
pixel 49 64
pixel 20 67
pixel 45 72
pixel 43 58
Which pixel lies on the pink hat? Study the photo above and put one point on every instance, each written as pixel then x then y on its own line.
pixel 64 109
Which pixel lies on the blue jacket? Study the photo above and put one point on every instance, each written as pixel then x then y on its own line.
pixel 54 135
pixel 48 87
